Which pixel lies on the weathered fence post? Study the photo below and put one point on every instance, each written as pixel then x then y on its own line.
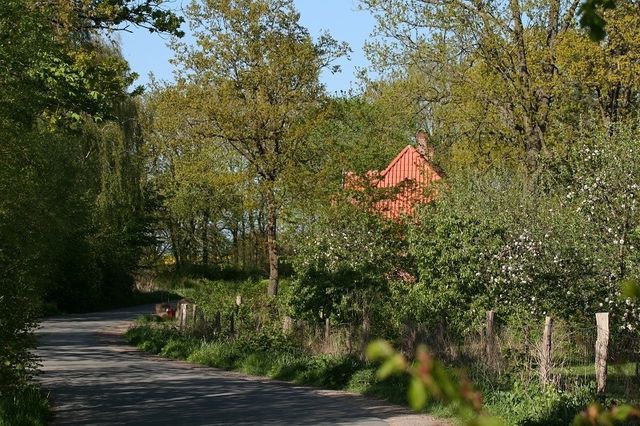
pixel 287 324
pixel 182 312
pixel 490 341
pixel 232 319
pixel 602 349
pixel 327 330
pixel 546 355
pixel 366 331
pixel 410 338
pixel 232 323
pixel 198 318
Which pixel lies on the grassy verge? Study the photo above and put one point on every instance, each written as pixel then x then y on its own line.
pixel 278 357
pixel 24 406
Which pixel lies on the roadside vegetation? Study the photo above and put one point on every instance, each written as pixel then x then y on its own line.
pixel 257 345
pixel 226 186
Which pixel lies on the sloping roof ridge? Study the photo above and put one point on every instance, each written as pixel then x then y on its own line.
pixel 395 160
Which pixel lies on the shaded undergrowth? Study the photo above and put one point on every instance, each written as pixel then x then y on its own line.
pixel 26 405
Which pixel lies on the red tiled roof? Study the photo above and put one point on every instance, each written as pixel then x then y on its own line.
pixel 409 169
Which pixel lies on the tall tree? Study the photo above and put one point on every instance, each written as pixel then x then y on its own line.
pixel 494 61
pixel 70 201
pixel 255 74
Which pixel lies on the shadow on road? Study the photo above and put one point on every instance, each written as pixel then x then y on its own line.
pixel 94 378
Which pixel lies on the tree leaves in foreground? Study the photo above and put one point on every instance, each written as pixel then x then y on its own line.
pixel 430 379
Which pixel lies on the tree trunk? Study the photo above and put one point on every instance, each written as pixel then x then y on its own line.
pixel 205 238
pixel 242 247
pixel 272 245
pixel 234 251
pixel 253 238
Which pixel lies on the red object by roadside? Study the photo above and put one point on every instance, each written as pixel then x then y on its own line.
pixel 171 313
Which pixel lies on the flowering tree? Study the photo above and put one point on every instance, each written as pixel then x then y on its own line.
pixel 345 258
pixel 558 245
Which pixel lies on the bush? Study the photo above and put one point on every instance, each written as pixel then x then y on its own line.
pixel 533 405
pixel 26 406
pixel 344 261
pixel 273 356
pixel 220 354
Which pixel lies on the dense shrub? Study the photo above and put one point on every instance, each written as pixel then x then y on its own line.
pixel 27 405
pixel 344 261
pixel 554 244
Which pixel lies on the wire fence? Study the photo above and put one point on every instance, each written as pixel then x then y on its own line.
pixel 552 353
pixel 569 356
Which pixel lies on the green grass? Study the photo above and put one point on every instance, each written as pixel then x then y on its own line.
pixel 278 358
pixel 23 406
pixel 623 383
pixel 626 369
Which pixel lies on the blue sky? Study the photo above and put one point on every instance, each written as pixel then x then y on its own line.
pixel 148 52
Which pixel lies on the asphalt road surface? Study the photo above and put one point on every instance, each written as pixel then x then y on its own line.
pixel 95 378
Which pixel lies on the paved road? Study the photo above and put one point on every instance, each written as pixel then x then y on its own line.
pixel 95 378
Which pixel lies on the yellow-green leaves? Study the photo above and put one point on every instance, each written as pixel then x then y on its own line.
pixel 393 365
pixel 430 379
pixel 379 350
pixel 630 289
pixel 417 394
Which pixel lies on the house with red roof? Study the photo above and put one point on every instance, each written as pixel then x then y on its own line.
pixel 407 177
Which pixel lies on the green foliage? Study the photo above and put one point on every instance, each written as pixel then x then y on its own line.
pixel 344 259
pixel 515 404
pixel 631 289
pixel 557 245
pixel 28 406
pixel 533 405
pixel 116 15
pixel 592 19
pixel 430 379
pixel 595 414
pixel 263 355
pixel 464 91
pixel 72 213
pixel 254 88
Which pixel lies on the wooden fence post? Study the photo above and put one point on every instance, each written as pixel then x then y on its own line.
pixel 490 341
pixel 183 315
pixel 327 330
pixel 366 331
pixel 199 319
pixel 602 349
pixel 232 323
pixel 546 355
pixel 287 324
